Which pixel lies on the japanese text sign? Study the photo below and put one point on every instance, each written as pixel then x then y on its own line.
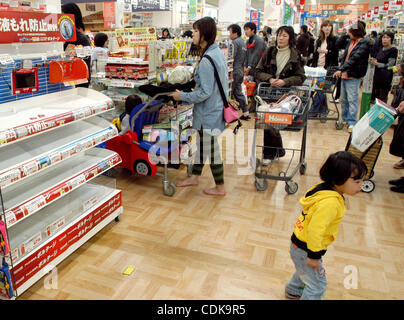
pixel 36 27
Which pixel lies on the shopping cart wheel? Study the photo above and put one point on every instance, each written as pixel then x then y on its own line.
pixel 303 168
pixel 261 184
pixel 339 125
pixel 117 219
pixel 142 167
pixel 169 188
pixel 368 186
pixel 291 187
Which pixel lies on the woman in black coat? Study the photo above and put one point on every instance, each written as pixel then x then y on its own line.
pixel 325 52
pixel 386 57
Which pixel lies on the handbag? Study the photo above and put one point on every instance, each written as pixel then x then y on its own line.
pixel 230 114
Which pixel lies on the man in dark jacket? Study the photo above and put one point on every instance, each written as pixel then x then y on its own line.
pixel 255 48
pixel 239 52
pixel 303 43
pixel 353 68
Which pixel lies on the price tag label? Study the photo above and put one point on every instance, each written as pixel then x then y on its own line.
pixel 79 114
pixel 55 157
pixel 75 182
pixel 7 135
pixel 10 217
pixel 55 226
pixel 90 203
pixel 30 167
pixel 7 178
pixel 30 244
pixel 34 205
pixel 6 59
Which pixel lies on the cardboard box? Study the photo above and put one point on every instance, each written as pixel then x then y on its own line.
pixel 372 125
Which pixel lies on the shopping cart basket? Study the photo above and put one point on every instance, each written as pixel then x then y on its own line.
pixel 370 157
pixel 280 121
pixel 324 113
pixel 141 156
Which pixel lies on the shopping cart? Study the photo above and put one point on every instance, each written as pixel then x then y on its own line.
pixel 280 121
pixel 324 113
pixel 370 157
pixel 143 157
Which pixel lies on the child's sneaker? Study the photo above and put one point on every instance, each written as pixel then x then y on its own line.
pixel 291 296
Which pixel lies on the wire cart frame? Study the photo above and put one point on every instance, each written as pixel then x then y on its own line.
pixel 369 157
pixel 281 121
pixel 326 113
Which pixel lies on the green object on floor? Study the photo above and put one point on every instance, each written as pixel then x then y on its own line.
pixel 365 104
pixel 367 88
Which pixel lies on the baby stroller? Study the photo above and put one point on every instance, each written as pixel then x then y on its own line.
pixel 141 156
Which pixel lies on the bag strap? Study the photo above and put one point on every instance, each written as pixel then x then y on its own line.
pixel 219 84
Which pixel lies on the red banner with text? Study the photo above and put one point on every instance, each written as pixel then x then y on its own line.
pixel 36 27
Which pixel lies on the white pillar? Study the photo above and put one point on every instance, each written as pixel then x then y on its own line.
pixel 273 11
pixel 232 12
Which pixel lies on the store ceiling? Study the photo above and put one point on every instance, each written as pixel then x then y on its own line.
pixel 259 4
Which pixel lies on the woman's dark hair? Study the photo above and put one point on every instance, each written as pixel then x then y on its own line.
pixel 268 30
pixel 207 31
pixel 251 26
pixel 289 30
pixel 324 24
pixel 235 28
pixel 358 30
pixel 340 166
pixel 389 34
pixel 72 8
pixel 132 101
pixel 100 39
pixel 168 32
pixel 304 28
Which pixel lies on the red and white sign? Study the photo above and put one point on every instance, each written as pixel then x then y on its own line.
pixel 364 16
pixel 369 16
pixel 301 5
pixel 44 255
pixel 36 27
pixel 376 11
pixel 109 14
pixel 395 5
pixel 276 3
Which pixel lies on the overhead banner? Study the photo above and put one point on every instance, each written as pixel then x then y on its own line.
pixel 129 37
pixel 109 15
pixel 151 5
pixel 255 17
pixel 354 9
pixel 36 27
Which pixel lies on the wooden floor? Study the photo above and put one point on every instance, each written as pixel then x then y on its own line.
pixel 193 246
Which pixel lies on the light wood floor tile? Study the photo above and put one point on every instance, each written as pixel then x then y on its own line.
pixel 192 246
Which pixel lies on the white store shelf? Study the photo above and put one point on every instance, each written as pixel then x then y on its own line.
pixel 67 209
pixel 36 115
pixel 35 192
pixel 49 148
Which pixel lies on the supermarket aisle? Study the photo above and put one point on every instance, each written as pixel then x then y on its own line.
pixel 193 246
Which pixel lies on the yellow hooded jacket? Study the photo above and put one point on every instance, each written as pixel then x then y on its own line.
pixel 317 225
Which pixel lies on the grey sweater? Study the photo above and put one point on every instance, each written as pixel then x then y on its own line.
pixel 255 49
pixel 239 53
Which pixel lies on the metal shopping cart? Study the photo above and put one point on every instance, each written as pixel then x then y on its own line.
pixel 323 113
pixel 369 157
pixel 142 156
pixel 297 121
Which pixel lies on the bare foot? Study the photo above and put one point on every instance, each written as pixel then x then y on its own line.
pixel 217 191
pixel 192 181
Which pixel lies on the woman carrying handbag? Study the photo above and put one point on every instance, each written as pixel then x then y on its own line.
pixel 208 106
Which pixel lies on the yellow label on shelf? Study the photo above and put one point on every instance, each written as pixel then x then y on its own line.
pixel 128 271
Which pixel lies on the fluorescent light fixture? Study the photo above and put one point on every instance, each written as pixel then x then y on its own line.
pixel 353 1
pixel 313 1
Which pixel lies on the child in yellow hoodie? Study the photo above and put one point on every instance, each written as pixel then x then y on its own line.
pixel 317 225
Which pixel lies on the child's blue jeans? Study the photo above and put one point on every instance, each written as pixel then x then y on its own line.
pixel 307 282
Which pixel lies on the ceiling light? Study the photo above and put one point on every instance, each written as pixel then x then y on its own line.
pixel 313 1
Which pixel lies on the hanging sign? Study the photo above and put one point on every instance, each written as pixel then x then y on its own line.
pixel 364 16
pixel 375 11
pixel 151 5
pixel 109 14
pixel 395 5
pixel 255 17
pixel 301 5
pixel 36 27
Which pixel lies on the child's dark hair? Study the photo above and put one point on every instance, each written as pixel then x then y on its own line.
pixel 340 166
pixel 100 39
pixel 132 101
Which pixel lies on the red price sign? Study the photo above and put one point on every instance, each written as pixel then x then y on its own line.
pixel 376 10
pixel 386 5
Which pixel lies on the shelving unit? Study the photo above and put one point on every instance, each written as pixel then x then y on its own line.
pixel 47 156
